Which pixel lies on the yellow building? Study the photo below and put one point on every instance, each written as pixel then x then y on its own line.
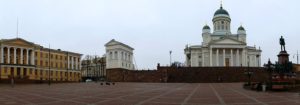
pixel 21 60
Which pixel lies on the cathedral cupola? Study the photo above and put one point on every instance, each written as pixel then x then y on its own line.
pixel 206 29
pixel 221 21
pixel 241 30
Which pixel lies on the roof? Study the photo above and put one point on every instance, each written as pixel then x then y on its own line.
pixel 221 11
pixel 114 42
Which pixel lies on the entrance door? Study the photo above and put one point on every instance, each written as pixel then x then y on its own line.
pixel 227 62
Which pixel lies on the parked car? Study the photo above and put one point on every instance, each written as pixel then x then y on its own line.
pixel 88 80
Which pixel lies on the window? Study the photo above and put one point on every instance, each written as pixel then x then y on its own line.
pixel 110 55
pixel 128 57
pixel 122 55
pixel 116 55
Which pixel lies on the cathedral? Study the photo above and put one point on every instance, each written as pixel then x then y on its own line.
pixel 221 48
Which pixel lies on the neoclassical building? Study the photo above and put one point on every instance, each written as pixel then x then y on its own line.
pixel 119 55
pixel 221 47
pixel 24 60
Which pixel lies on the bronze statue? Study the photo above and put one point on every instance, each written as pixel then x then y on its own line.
pixel 282 43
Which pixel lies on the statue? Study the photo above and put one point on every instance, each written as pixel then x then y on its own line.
pixel 282 43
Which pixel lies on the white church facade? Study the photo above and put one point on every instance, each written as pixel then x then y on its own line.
pixel 221 48
pixel 119 55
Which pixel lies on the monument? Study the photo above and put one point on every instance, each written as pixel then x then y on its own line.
pixel 280 73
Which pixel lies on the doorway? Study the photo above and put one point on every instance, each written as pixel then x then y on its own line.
pixel 227 62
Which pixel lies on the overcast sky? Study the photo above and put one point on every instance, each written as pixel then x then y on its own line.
pixel 152 27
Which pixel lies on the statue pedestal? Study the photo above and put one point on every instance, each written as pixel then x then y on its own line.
pixel 283 57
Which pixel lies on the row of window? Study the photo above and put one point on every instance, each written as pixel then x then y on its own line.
pixel 124 56
pixel 41 72
pixel 221 26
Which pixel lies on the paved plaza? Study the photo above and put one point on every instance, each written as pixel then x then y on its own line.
pixel 142 94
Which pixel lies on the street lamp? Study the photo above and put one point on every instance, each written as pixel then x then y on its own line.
pixel 269 68
pixel 248 73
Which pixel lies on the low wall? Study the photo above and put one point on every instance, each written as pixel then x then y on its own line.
pixel 188 74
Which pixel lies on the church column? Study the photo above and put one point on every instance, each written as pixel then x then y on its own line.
pixel 15 55
pixel 224 62
pixel 2 55
pixel 217 57
pixel 231 58
pixel 202 58
pixel 210 56
pixel 255 61
pixel 243 62
pixel 237 57
pixel 8 55
pixel 21 56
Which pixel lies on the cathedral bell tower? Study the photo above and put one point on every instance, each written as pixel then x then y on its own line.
pixel 221 22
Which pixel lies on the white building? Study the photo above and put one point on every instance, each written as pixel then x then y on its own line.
pixel 119 55
pixel 221 47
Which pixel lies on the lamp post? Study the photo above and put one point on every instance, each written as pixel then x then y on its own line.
pixel 269 68
pixel 248 73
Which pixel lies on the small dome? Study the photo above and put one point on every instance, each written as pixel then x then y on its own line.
pixel 221 11
pixel 206 27
pixel 241 28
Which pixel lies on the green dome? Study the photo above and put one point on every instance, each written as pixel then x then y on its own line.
pixel 241 28
pixel 221 11
pixel 206 27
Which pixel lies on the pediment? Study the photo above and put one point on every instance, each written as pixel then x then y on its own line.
pixel 18 42
pixel 112 42
pixel 228 41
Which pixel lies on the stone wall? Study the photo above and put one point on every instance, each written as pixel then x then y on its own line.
pixel 188 74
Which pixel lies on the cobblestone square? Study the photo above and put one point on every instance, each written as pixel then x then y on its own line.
pixel 141 94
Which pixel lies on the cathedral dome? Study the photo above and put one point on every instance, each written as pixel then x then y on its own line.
pixel 241 28
pixel 206 27
pixel 221 11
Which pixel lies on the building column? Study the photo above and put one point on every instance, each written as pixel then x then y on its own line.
pixel 76 63
pixel 8 55
pixel 203 58
pixel 224 62
pixel 68 60
pixel 72 63
pixel 2 55
pixel 32 57
pixel 245 60
pixel 15 55
pixel 259 61
pixel 217 57
pixel 237 57
pixel 210 56
pixel 231 58
pixel 21 56
pixel 27 56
